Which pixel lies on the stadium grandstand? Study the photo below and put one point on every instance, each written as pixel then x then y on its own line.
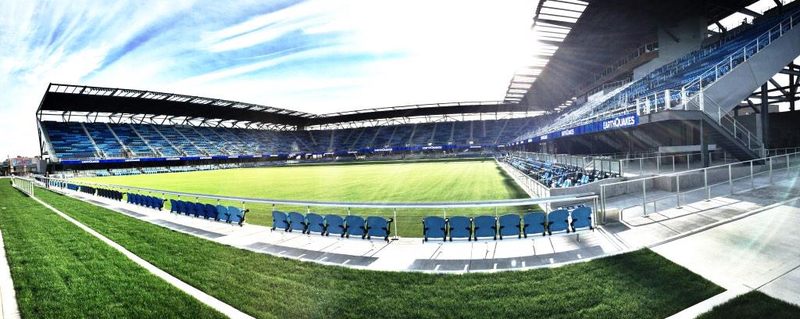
pixel 643 163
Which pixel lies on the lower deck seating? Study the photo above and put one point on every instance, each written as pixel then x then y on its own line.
pixel 220 213
pixel 107 193
pixel 146 201
pixel 333 224
pixel 535 222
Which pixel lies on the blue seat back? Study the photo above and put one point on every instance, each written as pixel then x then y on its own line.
pixel 485 226
pixel 581 217
pixel 534 223
pixel 181 206
pixel 509 225
pixel 297 222
pixel 434 227
pixel 355 225
pixel 460 227
pixel 378 226
pixel 210 211
pixel 222 213
pixel 173 206
pixel 235 214
pixel 557 220
pixel 191 208
pixel 334 224
pixel 315 223
pixel 280 220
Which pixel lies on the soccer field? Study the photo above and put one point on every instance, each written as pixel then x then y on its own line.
pixel 385 182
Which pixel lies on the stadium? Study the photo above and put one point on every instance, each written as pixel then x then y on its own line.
pixel 643 163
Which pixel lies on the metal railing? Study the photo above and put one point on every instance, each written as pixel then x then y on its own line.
pixel 588 199
pixel 23 184
pixel 657 163
pixel 668 191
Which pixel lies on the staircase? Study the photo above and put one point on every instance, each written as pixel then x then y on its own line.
pixel 718 90
pixel 734 138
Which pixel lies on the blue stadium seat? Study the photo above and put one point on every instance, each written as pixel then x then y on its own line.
pixel 315 223
pixel 509 226
pixel 485 226
pixel 280 220
pixel 297 222
pixel 180 206
pixel 173 206
pixel 582 218
pixel 222 214
pixel 210 211
pixel 379 227
pixel 236 215
pixel 334 224
pixel 354 225
pixel 534 223
pixel 460 227
pixel 557 221
pixel 434 227
pixel 191 209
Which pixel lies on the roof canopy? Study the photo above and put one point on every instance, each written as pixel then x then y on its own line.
pixel 66 98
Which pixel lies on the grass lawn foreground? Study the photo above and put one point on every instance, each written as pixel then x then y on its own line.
pixel 640 284
pixel 60 271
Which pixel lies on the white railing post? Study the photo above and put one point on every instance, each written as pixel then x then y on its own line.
pixel 752 178
pixel 667 100
pixel 678 190
pixel 705 183
pixel 730 177
pixel 770 169
pixel 701 101
pixel 644 196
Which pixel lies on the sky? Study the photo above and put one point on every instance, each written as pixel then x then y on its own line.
pixel 316 56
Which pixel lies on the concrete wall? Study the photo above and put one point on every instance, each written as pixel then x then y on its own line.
pixel 690 34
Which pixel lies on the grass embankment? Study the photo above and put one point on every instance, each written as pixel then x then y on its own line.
pixel 636 285
pixel 60 271
pixel 398 182
pixel 754 304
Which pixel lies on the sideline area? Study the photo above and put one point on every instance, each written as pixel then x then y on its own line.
pixel 411 254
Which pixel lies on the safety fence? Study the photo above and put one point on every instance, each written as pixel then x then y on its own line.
pixel 648 195
pixel 23 184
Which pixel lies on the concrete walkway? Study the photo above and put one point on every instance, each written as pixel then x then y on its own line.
pixel 756 252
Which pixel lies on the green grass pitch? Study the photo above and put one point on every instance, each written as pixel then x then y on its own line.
pixel 392 182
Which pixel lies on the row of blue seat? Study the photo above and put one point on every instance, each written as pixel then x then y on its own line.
pixel 87 190
pixel 333 224
pixel 229 214
pixel 507 225
pixel 146 201
pixel 108 193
